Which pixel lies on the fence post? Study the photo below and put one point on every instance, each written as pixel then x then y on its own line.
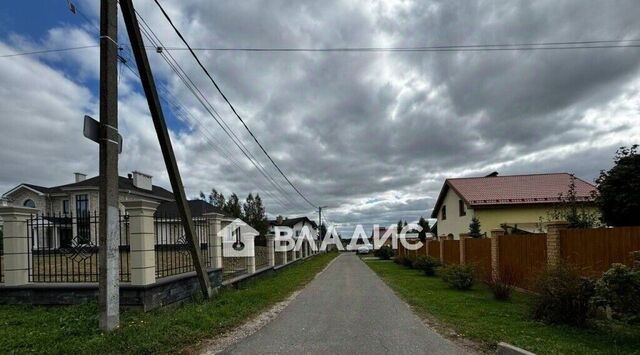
pixel 142 241
pixel 214 241
pixel 16 244
pixel 271 253
pixel 442 250
pixel 463 250
pixel 495 252
pixel 553 242
pixel 284 257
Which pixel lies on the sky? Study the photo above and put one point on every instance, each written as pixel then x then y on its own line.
pixel 372 136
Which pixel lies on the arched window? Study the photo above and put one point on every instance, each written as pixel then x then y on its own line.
pixel 29 203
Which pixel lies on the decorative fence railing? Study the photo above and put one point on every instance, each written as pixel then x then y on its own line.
pixel 64 248
pixel 172 249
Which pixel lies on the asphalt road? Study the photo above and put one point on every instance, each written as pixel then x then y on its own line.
pixel 347 309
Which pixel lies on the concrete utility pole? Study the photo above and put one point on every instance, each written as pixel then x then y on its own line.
pixel 109 231
pixel 153 100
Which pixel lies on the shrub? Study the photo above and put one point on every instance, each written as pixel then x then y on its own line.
pixel 563 297
pixel 427 264
pixel 459 277
pixel 385 252
pixel 501 285
pixel 619 289
pixel 407 261
pixel 397 259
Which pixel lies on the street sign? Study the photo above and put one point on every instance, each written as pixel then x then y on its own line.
pixel 91 130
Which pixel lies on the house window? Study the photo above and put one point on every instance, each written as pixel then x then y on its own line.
pixel 461 208
pixel 83 219
pixel 65 207
pixel 29 203
pixel 444 212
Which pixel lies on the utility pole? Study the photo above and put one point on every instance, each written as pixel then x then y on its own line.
pixel 109 231
pixel 153 100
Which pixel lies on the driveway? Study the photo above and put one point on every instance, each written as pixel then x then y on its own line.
pixel 347 309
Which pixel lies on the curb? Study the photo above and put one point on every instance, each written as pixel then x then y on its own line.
pixel 508 349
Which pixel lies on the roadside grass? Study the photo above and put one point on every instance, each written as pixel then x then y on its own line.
pixel 74 329
pixel 476 315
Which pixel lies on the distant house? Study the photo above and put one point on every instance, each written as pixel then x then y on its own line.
pixel 521 200
pixel 296 224
pixel 67 213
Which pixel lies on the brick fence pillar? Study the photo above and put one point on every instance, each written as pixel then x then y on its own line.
pixel 271 253
pixel 142 241
pixel 214 241
pixel 16 244
pixel 495 252
pixel 554 254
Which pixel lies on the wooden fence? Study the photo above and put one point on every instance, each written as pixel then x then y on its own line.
pixel 593 251
pixel 450 252
pixel 477 252
pixel 522 257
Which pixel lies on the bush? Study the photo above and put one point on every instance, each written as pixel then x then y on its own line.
pixel 427 264
pixel 501 285
pixel 619 289
pixel 397 259
pixel 459 277
pixel 385 252
pixel 563 297
pixel 407 261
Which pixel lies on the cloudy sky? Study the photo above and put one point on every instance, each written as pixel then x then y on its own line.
pixel 371 135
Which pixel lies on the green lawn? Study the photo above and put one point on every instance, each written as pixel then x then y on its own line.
pixel 476 315
pixel 74 329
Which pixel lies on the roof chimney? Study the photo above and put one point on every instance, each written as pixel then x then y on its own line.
pixel 142 181
pixel 279 220
pixel 80 177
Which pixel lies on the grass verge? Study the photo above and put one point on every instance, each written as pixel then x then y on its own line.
pixel 476 315
pixel 74 329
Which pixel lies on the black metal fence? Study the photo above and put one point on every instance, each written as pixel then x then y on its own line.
pixel 64 248
pixel 172 249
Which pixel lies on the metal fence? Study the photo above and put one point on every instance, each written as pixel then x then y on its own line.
pixel 64 248
pixel 173 256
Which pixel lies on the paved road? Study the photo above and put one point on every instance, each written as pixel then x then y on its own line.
pixel 346 310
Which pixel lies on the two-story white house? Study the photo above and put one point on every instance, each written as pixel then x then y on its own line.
pixel 296 224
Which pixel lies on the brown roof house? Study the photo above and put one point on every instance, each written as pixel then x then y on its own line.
pixel 522 200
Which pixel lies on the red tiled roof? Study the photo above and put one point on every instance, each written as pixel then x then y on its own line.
pixel 514 189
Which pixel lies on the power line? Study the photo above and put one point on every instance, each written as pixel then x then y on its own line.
pixel 53 50
pixel 229 103
pixel 193 88
pixel 596 44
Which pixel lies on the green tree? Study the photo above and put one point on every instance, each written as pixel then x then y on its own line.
pixel 399 226
pixel 232 207
pixel 323 230
pixel 425 228
pixel 577 213
pixel 619 189
pixel 474 228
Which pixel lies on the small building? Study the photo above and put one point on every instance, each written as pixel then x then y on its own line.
pixel 296 224
pixel 522 200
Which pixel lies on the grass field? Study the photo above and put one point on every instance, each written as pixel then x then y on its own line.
pixel 74 329
pixel 476 315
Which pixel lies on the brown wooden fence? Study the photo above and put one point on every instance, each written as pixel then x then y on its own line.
pixel 434 249
pixel 523 257
pixel 451 252
pixel 593 251
pixel 478 253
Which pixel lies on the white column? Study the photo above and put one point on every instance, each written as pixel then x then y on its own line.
pixel 271 256
pixel 16 244
pixel 214 241
pixel 142 241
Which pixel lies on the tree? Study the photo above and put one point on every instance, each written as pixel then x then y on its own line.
pixel 425 229
pixel 399 226
pixel 254 214
pixel 474 228
pixel 323 230
pixel 577 213
pixel 217 199
pixel 232 207
pixel 619 189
